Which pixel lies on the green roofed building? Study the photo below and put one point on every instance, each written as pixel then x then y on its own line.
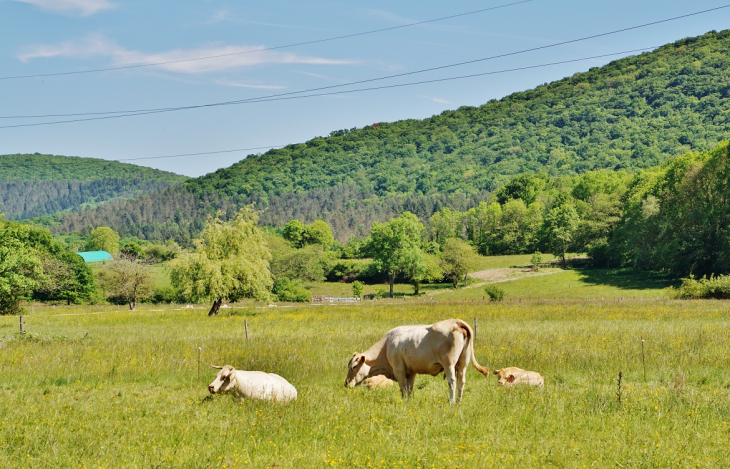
pixel 95 256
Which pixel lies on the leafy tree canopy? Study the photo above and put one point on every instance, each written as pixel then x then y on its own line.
pixel 230 260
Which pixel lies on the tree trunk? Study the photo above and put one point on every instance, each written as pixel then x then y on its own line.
pixel 392 281
pixel 132 304
pixel 216 307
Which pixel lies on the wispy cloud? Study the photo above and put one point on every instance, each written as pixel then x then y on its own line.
pixel 387 16
pixel 84 7
pixel 176 60
pixel 218 16
pixel 238 84
pixel 436 100
pixel 325 77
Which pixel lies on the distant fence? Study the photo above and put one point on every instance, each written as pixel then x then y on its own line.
pixel 335 299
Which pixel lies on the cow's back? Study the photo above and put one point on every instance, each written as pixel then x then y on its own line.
pixel 261 385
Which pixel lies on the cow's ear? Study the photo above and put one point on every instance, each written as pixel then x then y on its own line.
pixel 510 378
pixel 496 372
pixel 361 359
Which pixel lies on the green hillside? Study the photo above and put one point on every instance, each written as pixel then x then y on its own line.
pixel 37 185
pixel 632 113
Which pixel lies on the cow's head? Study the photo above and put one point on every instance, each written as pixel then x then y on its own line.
pixel 505 377
pixel 224 381
pixel 357 370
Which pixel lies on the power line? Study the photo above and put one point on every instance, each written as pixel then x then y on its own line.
pixel 130 113
pixel 393 86
pixel 203 153
pixel 315 41
pixel 332 93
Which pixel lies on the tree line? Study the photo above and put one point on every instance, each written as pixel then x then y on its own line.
pixel 631 114
pixel 37 185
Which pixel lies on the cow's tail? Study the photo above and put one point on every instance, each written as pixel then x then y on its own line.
pixel 469 346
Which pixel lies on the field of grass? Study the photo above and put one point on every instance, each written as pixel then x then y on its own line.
pixel 498 262
pixel 120 389
pixel 586 284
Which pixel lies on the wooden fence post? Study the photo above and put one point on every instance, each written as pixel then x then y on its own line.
pixel 476 328
pixel 245 324
pixel 199 350
pixel 22 325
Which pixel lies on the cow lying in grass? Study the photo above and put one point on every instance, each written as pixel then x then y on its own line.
pixel 512 376
pixel 407 351
pixel 252 384
pixel 374 382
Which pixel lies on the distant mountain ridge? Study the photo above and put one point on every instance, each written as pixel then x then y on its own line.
pixel 632 113
pixel 35 185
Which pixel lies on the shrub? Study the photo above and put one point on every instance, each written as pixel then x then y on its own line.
pixel 713 287
pixel 159 252
pixel 343 270
pixel 536 260
pixel 357 288
pixel 303 264
pixel 495 293
pixel 289 291
pixel 165 295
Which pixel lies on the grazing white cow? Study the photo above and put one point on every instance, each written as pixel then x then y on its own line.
pixel 406 351
pixel 252 384
pixel 513 375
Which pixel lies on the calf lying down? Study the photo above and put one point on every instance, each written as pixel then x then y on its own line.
pixel 252 385
pixel 511 376
pixel 379 381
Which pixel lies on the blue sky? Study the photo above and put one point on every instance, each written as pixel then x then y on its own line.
pixel 50 36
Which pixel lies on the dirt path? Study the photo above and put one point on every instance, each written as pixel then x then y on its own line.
pixel 503 275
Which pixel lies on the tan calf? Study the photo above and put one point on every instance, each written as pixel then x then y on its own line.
pixel 512 375
pixel 378 381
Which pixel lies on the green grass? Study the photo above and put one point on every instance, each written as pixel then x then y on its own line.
pixel 341 289
pixel 120 389
pixel 587 284
pixel 498 262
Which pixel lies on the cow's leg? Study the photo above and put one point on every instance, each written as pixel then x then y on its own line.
pixel 460 382
pixel 450 375
pixel 400 376
pixel 411 381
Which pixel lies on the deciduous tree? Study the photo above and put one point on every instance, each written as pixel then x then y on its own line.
pixel 458 258
pixel 396 246
pixel 230 260
pixel 104 238
pixel 127 277
pixel 20 272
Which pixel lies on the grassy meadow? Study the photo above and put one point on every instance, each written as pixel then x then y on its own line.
pixel 105 387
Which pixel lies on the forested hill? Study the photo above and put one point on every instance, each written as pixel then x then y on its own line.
pixel 632 113
pixel 36 185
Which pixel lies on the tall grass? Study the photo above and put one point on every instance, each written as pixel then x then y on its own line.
pixel 120 389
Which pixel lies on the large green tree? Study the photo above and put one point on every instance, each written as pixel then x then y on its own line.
pixel 396 246
pixel 230 261
pixel 458 258
pixel 21 271
pixel 65 275
pixel 127 278
pixel 104 238
pixel 561 224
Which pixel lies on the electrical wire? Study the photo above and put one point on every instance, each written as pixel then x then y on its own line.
pixel 332 93
pixel 202 153
pixel 397 86
pixel 130 113
pixel 315 41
